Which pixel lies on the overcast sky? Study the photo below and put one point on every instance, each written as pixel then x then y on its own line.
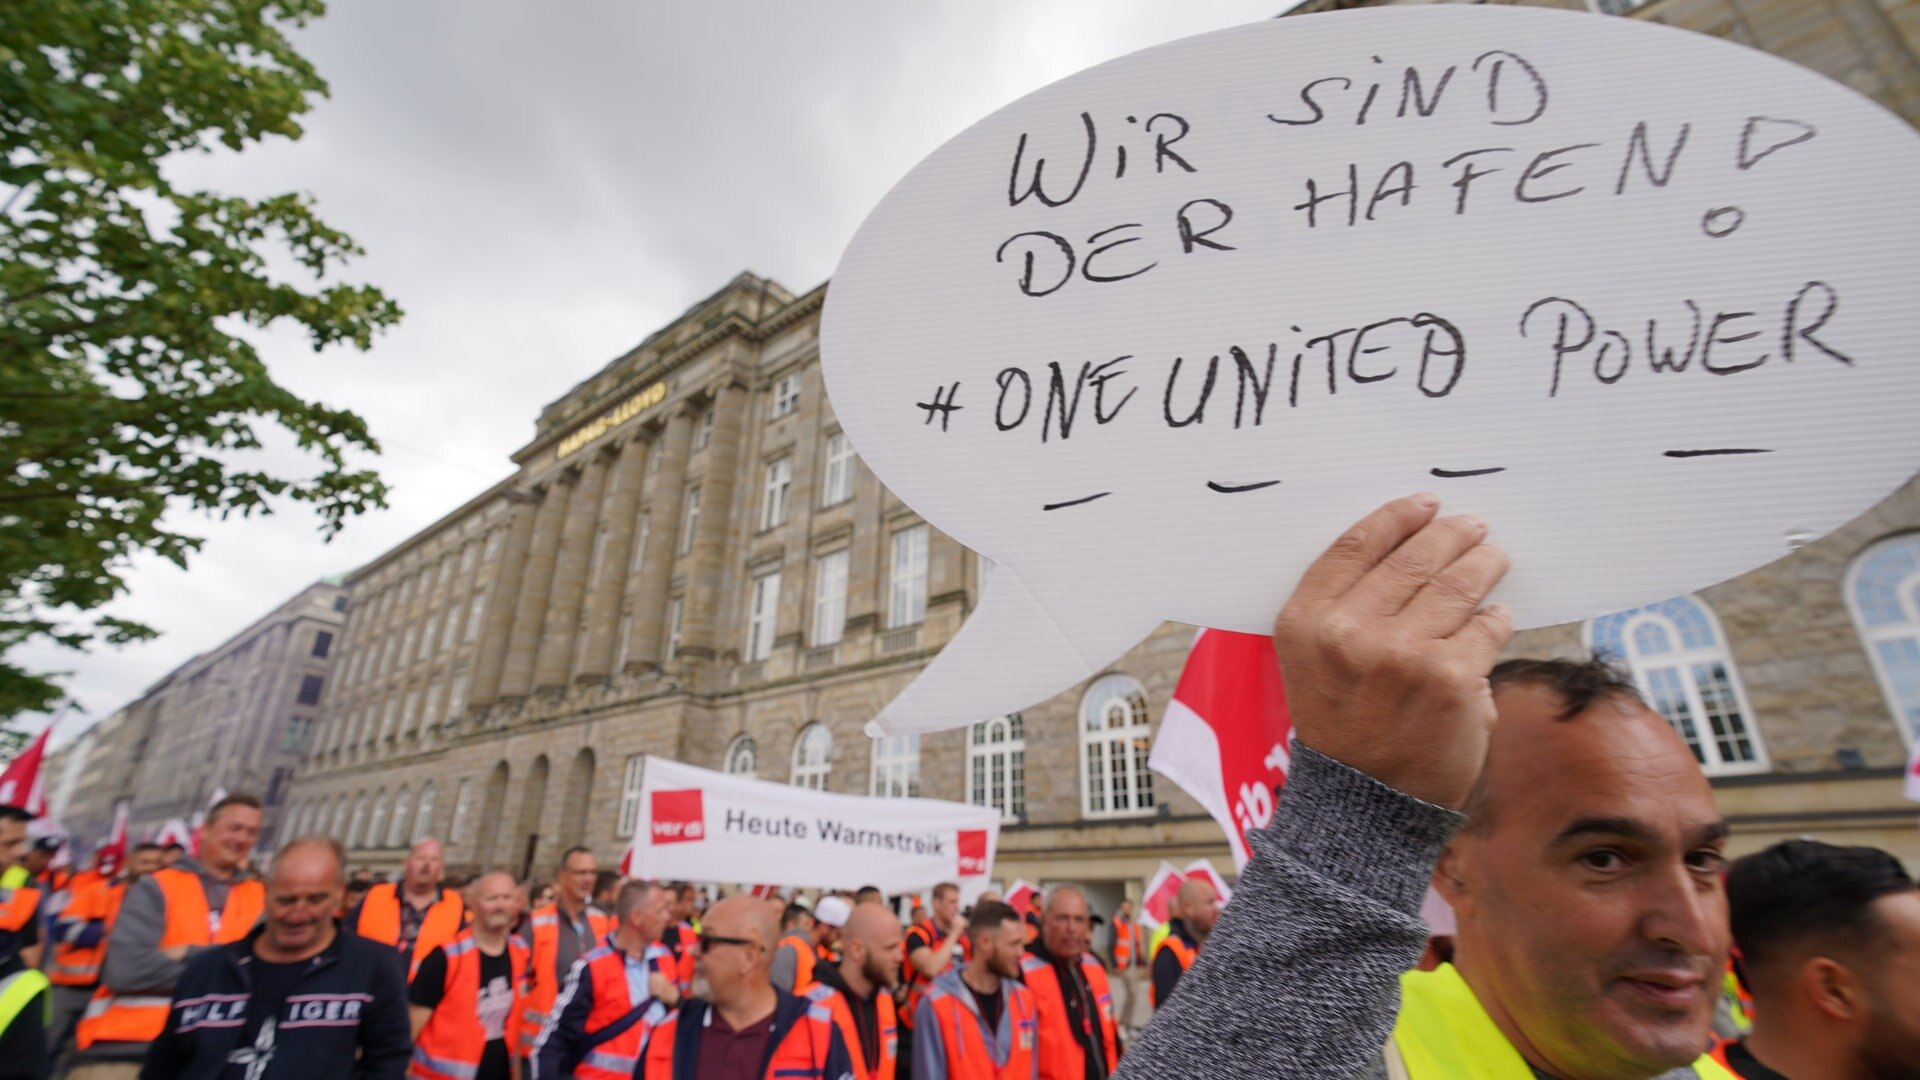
pixel 542 185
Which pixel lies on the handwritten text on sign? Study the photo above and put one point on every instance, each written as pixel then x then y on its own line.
pixel 1637 296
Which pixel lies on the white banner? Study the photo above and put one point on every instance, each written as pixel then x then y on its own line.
pixel 701 825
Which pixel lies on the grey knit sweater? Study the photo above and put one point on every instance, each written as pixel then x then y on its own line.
pixel 1301 978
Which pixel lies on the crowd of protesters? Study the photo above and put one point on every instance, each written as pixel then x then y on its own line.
pixel 1563 821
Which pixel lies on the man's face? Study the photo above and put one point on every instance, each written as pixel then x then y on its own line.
pixel 946 907
pixel 881 965
pixel 1067 925
pixel 654 915
pixel 575 879
pixel 496 900
pixel 1593 924
pixel 1203 910
pixel 426 865
pixel 1890 1045
pixel 733 946
pixel 683 906
pixel 1001 948
pixel 1126 909
pixel 13 842
pixel 228 838
pixel 36 859
pixel 142 863
pixel 303 892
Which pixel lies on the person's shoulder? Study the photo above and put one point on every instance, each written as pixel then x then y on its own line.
pixel 210 965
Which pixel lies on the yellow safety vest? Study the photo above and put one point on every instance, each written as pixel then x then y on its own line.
pixel 1443 1033
pixel 18 990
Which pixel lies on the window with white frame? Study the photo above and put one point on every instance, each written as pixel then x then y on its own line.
pixel 426 639
pixel 493 545
pixel 462 806
pixel 689 520
pixel 762 612
pixel 410 720
pixel 703 435
pixel 743 757
pixel 475 611
pixel 896 766
pixel 376 820
pixel 773 495
pixel 1680 661
pixel 1115 738
pixel 907 604
pixel 1883 592
pixel 810 753
pixel 390 716
pixel 630 796
pixel 829 598
pixel 359 818
pixel 407 654
pixel 446 572
pixel 422 815
pixel 676 618
pixel 457 703
pixel 468 553
pixel 451 627
pixel 786 394
pixel 997 766
pixel 642 532
pixel 402 807
pixel 837 486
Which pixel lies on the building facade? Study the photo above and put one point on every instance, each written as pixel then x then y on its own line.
pixel 691 562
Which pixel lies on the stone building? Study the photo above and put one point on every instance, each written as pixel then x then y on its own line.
pixel 691 562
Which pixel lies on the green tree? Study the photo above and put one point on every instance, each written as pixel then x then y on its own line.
pixel 126 384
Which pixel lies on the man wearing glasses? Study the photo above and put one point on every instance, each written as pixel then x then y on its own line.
pixel 746 1028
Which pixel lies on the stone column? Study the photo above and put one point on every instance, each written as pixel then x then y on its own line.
pixel 553 664
pixel 497 624
pixel 600 632
pixel 706 575
pixel 530 601
pixel 648 590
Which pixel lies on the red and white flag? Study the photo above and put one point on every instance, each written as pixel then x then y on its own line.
pixel 175 831
pixel 1203 868
pixel 1225 736
pixel 20 785
pixel 1155 907
pixel 113 853
pixel 1020 897
pixel 1913 773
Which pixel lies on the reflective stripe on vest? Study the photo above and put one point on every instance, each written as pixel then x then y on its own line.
pixel 189 921
pixel 969 1056
pixel 79 965
pixel 614 1058
pixel 452 1042
pixel 1443 1032
pixel 801 1054
pixel 1060 1055
pixel 1123 935
pixel 1181 952
pixel 543 982
pixel 18 990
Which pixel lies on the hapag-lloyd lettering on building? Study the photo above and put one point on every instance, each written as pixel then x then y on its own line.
pixel 774 832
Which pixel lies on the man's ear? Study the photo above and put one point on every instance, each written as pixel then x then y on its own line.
pixel 1836 990
pixel 1449 878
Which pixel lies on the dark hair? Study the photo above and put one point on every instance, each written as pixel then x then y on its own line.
pixel 867 893
pixel 1802 890
pixel 632 896
pixel 238 798
pixel 604 880
pixel 990 915
pixel 793 914
pixel 1580 684
pixel 145 845
pixel 175 846
pixel 577 849
pixel 944 889
pixel 15 813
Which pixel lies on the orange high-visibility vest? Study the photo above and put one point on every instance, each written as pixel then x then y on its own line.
pixel 79 965
pixel 1061 1057
pixel 619 1057
pixel 189 921
pixel 889 1062
pixel 804 959
pixel 917 983
pixel 452 1043
pixel 18 902
pixel 969 1055
pixel 543 983
pixel 802 1053
pixel 1181 952
pixel 380 921
pixel 1124 939
pixel 683 957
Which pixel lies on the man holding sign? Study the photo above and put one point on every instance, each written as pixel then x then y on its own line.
pixel 1585 874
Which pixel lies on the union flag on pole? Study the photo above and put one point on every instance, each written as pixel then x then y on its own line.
pixel 1225 736
pixel 113 854
pixel 20 783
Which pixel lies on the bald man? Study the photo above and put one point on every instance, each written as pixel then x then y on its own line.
pixel 415 916
pixel 462 1000
pixel 1074 1005
pixel 1193 911
pixel 746 1026
pixel 869 969
pixel 295 997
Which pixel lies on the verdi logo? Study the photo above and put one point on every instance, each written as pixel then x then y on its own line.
pixel 972 846
pixel 678 816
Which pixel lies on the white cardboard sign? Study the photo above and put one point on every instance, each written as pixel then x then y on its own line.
pixel 700 825
pixel 1150 337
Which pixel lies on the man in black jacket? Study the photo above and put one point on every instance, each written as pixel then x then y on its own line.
pixel 296 998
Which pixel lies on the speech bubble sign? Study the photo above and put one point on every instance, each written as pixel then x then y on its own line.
pixel 1153 335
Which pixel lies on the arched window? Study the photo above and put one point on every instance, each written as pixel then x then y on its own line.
pixel 1115 736
pixel 810 752
pixel 422 815
pixel 743 758
pixel 896 766
pixel 337 828
pixel 402 807
pixel 1680 661
pixel 376 821
pixel 359 818
pixel 997 766
pixel 1883 592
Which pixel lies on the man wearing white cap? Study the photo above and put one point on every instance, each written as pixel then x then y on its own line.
pixel 800 950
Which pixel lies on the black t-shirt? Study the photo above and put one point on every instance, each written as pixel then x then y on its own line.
pixel 988 1004
pixel 272 983
pixel 429 986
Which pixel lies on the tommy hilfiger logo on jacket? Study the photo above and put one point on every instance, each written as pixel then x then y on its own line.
pixel 300 1011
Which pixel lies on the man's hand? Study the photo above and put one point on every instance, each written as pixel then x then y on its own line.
pixel 1384 649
